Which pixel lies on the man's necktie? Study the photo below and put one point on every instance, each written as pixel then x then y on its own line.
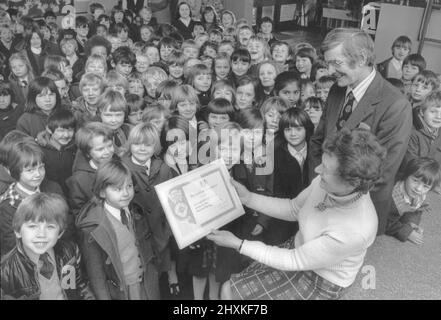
pixel 47 269
pixel 347 110
pixel 125 219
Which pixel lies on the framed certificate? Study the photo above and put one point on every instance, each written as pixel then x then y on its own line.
pixel 199 201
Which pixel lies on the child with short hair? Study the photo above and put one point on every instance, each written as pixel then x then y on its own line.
pixel 392 67
pixel 266 26
pixel 208 48
pixel 267 72
pixel 322 87
pixel 190 49
pixel 222 67
pixel 59 147
pixel 259 52
pixel 69 48
pixel 82 31
pixel 314 107
pixel 307 89
pixel 85 107
pixel 224 89
pixel 142 62
pixel 151 80
pixel 123 60
pixel 409 194
pixel 166 46
pixel 412 65
pixel 26 166
pixel 122 32
pixel 305 59
pixel 136 85
pixel 215 35
pixel 227 19
pixel 20 77
pixel 41 266
pixel 112 109
pixel 198 29
pixel 146 32
pixel 272 109
pixel 319 69
pixel 135 107
pixel 230 35
pixel 60 81
pixel 240 64
pixel 152 52
pixel 149 170
pixel 96 64
pixel 281 52
pixel 94 141
pixel 200 78
pixel 217 112
pixel 10 111
pixel 244 35
pixel 290 168
pixel 226 47
pixel 113 232
pixel 287 86
pixel 116 81
pixel 185 102
pixel 176 63
pixel 42 100
pixel 422 85
pixel 246 93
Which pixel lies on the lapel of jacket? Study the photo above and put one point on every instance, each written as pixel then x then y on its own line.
pixel 365 107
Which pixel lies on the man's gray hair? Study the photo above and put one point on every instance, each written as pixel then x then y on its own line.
pixel 355 44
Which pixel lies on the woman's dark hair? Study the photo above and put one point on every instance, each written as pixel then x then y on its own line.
pixel 28 38
pixel 295 117
pixel 111 173
pixel 179 7
pixel 426 169
pixel 36 87
pixel 205 11
pixel 360 157
pixel 219 106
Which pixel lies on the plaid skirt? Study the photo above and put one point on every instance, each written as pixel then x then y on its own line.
pixel 260 282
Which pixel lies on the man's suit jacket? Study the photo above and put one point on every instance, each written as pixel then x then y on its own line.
pixel 387 114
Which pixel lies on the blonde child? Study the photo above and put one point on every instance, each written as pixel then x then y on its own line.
pixel 135 84
pixel 222 67
pixel 200 78
pixel 20 77
pixel 176 63
pixel 152 77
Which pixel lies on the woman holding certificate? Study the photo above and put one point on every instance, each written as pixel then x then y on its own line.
pixel 337 223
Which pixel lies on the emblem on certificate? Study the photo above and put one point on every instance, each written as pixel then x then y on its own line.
pixel 199 201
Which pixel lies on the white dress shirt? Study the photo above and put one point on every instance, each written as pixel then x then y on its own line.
pixel 361 88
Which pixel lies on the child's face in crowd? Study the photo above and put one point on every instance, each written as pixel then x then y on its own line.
pixel 123 69
pixel 280 53
pixel 290 93
pixel 46 100
pixel 165 52
pixel 306 92
pixel 420 90
pixel 209 51
pixel 415 187
pixel 256 50
pixel 136 87
pixel 115 42
pixel 209 16
pixel 38 237
pixel 223 93
pixel 267 75
pixel 46 33
pixel 202 82
pixel 197 30
pixel 146 15
pixel 322 93
pixel 272 118
pixel 105 22
pixel 62 87
pixel 68 49
pixel 400 52
pixel 96 67
pixel 153 54
pixel 123 35
pixel 200 40
pixel 62 136
pixel 215 119
pixel 304 65
pixel 19 68
pixel 252 138
pixel 229 150
pixel 135 117
pixel 266 28
pixel 35 41
pixel 240 67
pixel 320 73
pixel 99 50
pixel 151 85
pixel 6 35
pixel 50 19
pixel 32 176
pixel 409 71
pixel 5 101
pixel 432 115
pixel 119 16
pixel 114 119
pixel 101 150
pixel 145 34
pixel 97 13
pixel 215 37
pixel 176 71
pixel 83 30
pixel 227 20
pixel 314 114
pixel 91 92
pixel 190 52
pixel 222 68
pixel 245 96
pixel 142 152
pixel 187 109
pixel 244 36
pixel 184 11
pixel 119 196
pixel 295 136
pixel 226 48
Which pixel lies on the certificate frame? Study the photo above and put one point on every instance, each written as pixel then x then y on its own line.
pixel 199 201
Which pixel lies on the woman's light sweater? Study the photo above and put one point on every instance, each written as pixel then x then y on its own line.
pixel 332 242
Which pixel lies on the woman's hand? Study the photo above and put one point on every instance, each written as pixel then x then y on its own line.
pixel 242 192
pixel 224 239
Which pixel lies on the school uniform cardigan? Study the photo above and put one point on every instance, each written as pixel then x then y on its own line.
pixel 332 242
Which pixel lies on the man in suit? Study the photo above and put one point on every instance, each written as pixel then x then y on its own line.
pixel 362 98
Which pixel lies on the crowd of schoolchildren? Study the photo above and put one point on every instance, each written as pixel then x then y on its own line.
pixel 86 117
